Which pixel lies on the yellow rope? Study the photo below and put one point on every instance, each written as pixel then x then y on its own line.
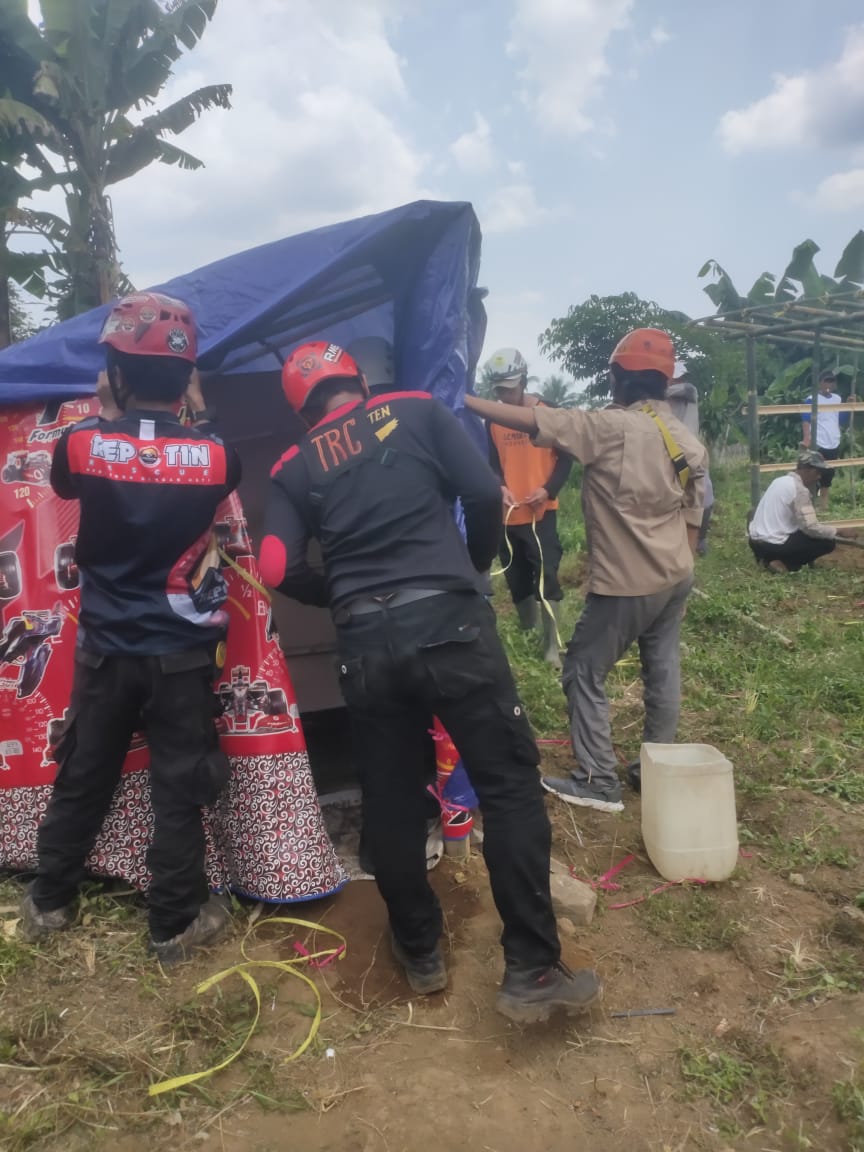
pixel 547 607
pixel 243 970
pixel 247 576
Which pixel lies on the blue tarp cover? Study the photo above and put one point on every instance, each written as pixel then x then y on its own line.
pixel 409 274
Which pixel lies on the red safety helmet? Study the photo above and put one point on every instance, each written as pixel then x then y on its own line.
pixel 314 364
pixel 150 324
pixel 646 349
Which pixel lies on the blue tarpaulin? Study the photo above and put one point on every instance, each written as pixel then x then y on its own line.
pixel 409 274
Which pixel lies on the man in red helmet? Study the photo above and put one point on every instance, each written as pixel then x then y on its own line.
pixel 642 496
pixel 375 481
pixel 151 620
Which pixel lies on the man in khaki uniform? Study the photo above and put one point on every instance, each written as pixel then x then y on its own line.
pixel 642 495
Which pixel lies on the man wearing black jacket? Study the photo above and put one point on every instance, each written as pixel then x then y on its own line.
pixel 375 481
pixel 151 622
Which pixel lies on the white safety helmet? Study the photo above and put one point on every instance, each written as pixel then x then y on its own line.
pixel 506 367
pixel 373 355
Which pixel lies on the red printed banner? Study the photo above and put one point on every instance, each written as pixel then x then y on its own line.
pixel 266 837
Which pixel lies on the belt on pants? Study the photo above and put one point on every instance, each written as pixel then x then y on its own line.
pixel 363 605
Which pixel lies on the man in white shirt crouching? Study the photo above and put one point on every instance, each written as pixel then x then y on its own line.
pixel 785 533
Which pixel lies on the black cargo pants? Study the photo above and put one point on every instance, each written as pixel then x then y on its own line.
pixel 170 699
pixel 441 656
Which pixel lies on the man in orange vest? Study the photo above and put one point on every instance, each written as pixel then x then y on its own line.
pixel 531 478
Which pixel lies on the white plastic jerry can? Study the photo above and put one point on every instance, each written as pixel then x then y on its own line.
pixel 689 823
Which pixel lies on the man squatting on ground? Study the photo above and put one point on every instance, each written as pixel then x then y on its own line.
pixel 375 481
pixel 150 625
pixel 642 514
pixel 531 478
pixel 785 533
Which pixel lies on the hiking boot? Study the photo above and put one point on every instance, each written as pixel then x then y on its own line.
pixel 37 925
pixel 606 799
pixel 208 927
pixel 425 973
pixel 777 567
pixel 531 996
pixel 634 775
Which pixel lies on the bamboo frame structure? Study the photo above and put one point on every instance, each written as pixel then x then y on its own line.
pixel 834 321
pixel 788 466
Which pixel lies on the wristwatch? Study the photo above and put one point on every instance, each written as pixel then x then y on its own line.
pixel 203 415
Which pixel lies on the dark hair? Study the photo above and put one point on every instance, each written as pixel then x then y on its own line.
pixel 313 409
pixel 631 387
pixel 828 374
pixel 159 378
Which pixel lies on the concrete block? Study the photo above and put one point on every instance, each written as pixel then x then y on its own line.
pixel 571 899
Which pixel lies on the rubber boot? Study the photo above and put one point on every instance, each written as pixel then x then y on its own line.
pixel 551 653
pixel 526 610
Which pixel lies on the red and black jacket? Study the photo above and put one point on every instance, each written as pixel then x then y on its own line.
pixel 149 488
pixel 376 484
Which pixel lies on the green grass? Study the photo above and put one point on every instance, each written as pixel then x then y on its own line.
pixel 743 1077
pixel 690 917
pixel 848 1099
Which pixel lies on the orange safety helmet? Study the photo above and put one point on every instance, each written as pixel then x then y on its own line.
pixel 646 349
pixel 313 364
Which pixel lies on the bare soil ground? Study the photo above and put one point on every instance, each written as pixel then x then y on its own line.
pixel 768 1018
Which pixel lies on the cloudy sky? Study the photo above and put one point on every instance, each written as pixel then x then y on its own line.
pixel 607 145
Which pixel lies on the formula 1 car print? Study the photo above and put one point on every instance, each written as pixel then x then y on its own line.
pixel 246 706
pixel 26 642
pixel 10 566
pixel 65 567
pixel 10 576
pixel 27 468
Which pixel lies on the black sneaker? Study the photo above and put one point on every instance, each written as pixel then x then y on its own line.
pixel 208 927
pixel 585 795
pixel 634 775
pixel 37 925
pixel 425 973
pixel 531 996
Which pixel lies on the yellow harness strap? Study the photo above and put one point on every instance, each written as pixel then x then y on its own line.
pixel 679 460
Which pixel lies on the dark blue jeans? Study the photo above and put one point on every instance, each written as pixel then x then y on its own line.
pixel 441 656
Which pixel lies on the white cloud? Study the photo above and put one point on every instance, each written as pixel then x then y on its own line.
pixel 564 43
pixel 822 107
pixel 659 35
pixel 510 208
pixel 516 319
pixel 472 151
pixel 842 192
pixel 315 135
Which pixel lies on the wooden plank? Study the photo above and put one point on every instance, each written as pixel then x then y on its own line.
pixel 787 466
pixel 791 409
pixel 845 523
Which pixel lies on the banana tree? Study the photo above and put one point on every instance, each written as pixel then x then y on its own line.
pixel 77 81
pixel 800 279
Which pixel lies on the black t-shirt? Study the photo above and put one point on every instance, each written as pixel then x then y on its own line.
pixel 149 488
pixel 376 484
